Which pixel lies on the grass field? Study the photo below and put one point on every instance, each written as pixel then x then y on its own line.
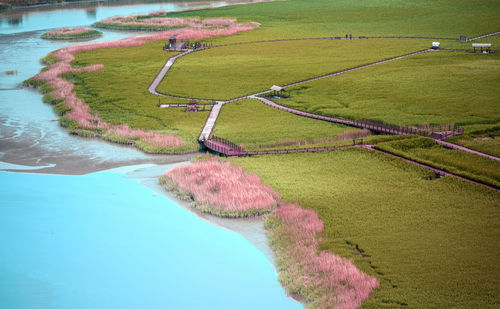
pixel 320 18
pixel 436 88
pixel 429 245
pixel 425 150
pixel 232 71
pixel 255 125
pixel 118 93
pixel 486 140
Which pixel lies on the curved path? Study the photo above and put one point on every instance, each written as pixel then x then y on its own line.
pixel 214 113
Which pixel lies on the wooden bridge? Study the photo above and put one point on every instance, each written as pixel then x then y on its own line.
pixel 230 149
pixel 438 132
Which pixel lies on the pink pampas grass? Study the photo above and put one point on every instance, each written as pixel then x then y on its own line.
pixel 224 187
pixel 324 279
pixel 68 31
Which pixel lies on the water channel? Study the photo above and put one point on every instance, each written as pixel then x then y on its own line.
pixel 83 223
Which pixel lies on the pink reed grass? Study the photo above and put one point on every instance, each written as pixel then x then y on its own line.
pixel 68 31
pixel 158 19
pixel 80 113
pixel 223 186
pixel 151 138
pixel 333 282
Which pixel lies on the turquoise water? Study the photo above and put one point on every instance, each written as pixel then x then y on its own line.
pixel 34 20
pixel 101 240
pixel 104 241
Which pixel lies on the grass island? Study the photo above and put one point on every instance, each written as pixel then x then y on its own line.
pixel 76 33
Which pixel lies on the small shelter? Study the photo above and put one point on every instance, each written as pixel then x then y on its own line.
pixel 174 45
pixel 172 41
pixel 436 45
pixel 192 107
pixel 486 46
pixel 277 90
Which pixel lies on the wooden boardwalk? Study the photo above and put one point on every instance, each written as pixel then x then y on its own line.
pixel 429 167
pixel 231 150
pixel 465 149
pixel 210 123
pixel 483 36
pixel 444 131
pixel 371 125
pixel 164 70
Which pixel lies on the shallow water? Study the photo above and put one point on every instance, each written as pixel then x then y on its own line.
pixel 28 133
pixel 71 16
pixel 103 241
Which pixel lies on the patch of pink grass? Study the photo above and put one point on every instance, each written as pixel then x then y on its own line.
pixel 68 31
pixel 158 20
pixel 151 138
pixel 323 279
pixel 223 189
pixel 81 114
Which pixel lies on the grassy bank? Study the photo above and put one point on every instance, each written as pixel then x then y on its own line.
pixel 118 92
pixel 255 125
pixel 425 241
pixel 231 71
pixel 425 150
pixel 436 88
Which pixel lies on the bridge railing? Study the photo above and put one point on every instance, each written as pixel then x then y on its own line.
pixel 227 142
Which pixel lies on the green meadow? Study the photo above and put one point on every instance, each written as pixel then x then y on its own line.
pixel 326 18
pixel 231 71
pixel 118 92
pixel 435 88
pixel 426 150
pixel 255 125
pixel 483 140
pixel 432 243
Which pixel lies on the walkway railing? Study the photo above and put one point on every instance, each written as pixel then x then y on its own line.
pixel 438 132
pixel 228 143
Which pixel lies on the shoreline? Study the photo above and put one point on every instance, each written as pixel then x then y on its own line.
pixel 250 228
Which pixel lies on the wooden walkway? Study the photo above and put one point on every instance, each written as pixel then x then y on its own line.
pixel 429 167
pixel 164 70
pixel 375 126
pixel 254 95
pixel 231 150
pixel 483 36
pixel 210 123
pixel 441 131
pixel 465 149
